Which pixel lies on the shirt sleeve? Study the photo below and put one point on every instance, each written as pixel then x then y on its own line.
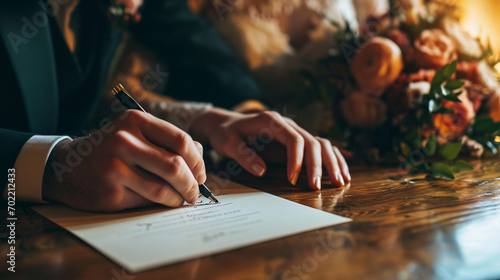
pixel 30 165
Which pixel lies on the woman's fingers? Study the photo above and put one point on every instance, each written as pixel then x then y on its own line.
pixel 342 164
pixel 239 136
pixel 313 156
pixel 230 144
pixel 331 163
pixel 345 153
pixel 331 158
pixel 272 126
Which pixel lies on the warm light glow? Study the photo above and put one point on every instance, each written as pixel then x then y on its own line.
pixel 497 139
pixel 481 19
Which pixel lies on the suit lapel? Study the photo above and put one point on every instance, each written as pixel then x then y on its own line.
pixel 25 30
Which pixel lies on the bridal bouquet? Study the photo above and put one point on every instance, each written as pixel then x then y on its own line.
pixel 410 87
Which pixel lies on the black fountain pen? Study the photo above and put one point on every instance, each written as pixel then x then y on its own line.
pixel 129 102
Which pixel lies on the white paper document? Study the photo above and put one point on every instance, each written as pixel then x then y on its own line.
pixel 150 237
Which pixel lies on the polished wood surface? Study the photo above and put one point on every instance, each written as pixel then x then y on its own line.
pixel 406 229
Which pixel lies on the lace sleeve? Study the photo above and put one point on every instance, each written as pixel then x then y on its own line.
pixel 180 114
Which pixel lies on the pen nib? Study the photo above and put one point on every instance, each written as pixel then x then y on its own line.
pixel 212 198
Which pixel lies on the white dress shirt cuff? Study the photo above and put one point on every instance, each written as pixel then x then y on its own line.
pixel 30 165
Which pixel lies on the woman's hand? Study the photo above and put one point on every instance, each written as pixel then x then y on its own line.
pixel 133 161
pixel 241 136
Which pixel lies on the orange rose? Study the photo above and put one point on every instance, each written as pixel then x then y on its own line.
pixel 433 49
pixel 363 111
pixel 494 106
pixel 451 126
pixel 376 65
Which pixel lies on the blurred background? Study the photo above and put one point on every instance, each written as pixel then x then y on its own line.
pixel 481 18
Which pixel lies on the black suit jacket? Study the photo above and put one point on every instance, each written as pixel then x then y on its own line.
pixel 43 92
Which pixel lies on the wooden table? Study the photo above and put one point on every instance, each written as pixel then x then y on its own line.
pixel 415 229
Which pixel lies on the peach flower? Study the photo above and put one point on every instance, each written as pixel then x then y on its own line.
pixel 132 5
pixel 413 10
pixel 477 94
pixel 452 126
pixel 465 44
pixel 478 73
pixel 434 49
pixel 376 65
pixel 363 111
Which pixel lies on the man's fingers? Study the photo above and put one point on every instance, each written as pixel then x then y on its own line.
pixel 200 171
pixel 173 139
pixel 199 147
pixel 168 166
pixel 117 196
pixel 153 188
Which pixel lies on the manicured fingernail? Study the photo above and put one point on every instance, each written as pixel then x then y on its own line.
pixel 317 182
pixel 348 177
pixel 258 169
pixel 340 179
pixel 294 178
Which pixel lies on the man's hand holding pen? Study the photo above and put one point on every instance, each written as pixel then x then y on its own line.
pixel 141 160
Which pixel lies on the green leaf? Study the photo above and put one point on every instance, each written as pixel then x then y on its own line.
pixel 442 91
pixel 434 106
pixel 444 111
pixel 443 74
pixel 427 119
pixel 485 125
pixel 438 79
pixel 414 139
pixel 424 167
pixel 450 69
pixel 405 149
pixel 460 166
pixel 440 169
pixel 430 147
pixel 450 151
pixel 454 84
pixel 453 97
